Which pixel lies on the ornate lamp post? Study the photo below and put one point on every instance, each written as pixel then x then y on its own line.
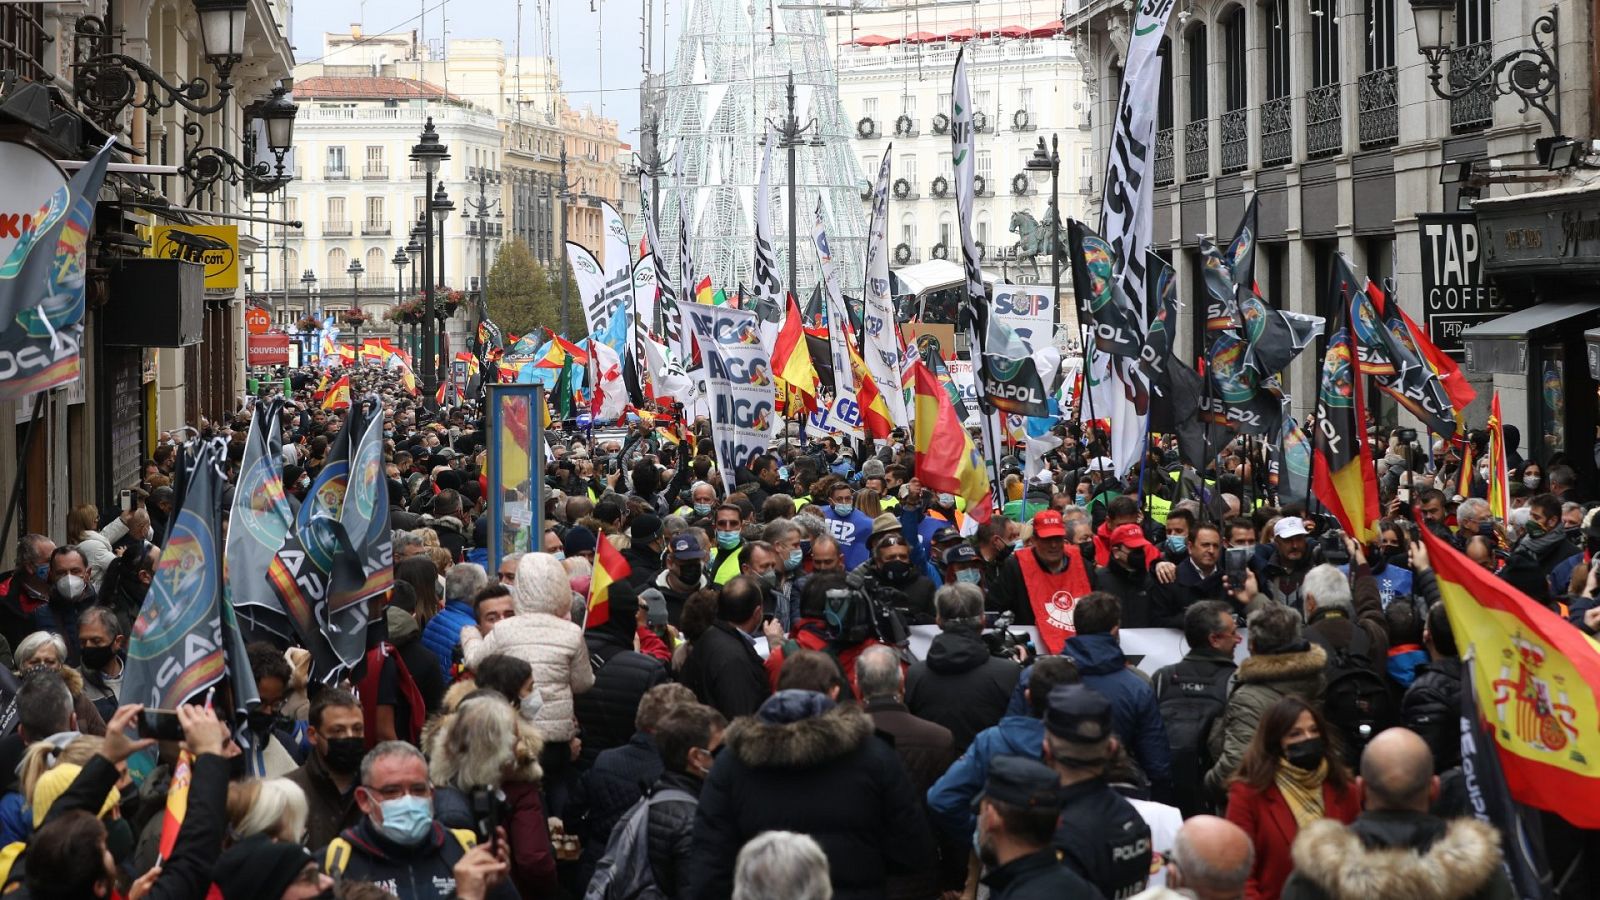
pixel 355 270
pixel 792 136
pixel 429 152
pixel 478 211
pixel 1529 73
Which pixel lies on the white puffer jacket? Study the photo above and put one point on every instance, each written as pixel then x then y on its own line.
pixel 541 634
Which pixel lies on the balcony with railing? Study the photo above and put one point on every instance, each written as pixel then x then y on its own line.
pixel 1277 131
pixel 1476 109
pixel 1164 163
pixel 375 173
pixel 339 173
pixel 1235 141
pixel 1197 150
pixel 1378 96
pixel 24 41
pixel 333 228
pixel 373 227
pixel 1324 122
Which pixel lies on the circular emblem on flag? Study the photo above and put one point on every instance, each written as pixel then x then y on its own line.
pixel 1059 610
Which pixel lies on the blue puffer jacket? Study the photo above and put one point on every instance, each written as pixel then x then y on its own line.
pixel 950 798
pixel 444 632
pixel 1135 717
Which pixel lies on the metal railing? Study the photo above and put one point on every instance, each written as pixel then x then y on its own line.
pixel 22 40
pixel 1378 96
pixel 1324 121
pixel 1235 141
pixel 1277 131
pixel 1197 150
pixel 1476 109
pixel 375 173
pixel 1164 164
pixel 335 229
pixel 339 174
pixel 374 227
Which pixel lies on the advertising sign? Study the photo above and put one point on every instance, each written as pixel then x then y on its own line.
pixel 256 320
pixel 268 350
pixel 1455 293
pixel 214 246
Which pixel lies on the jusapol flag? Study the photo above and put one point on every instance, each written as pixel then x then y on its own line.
pixel 1344 479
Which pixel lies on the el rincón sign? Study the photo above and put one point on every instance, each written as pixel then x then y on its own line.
pixel 214 246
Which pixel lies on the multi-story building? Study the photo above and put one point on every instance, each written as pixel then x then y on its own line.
pixel 595 166
pixel 532 180
pixel 1327 111
pixel 1026 82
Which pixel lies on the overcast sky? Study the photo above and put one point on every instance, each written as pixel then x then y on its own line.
pixel 594 72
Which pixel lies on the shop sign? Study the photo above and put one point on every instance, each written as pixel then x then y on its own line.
pixel 256 320
pixel 1455 293
pixel 268 350
pixel 32 178
pixel 214 246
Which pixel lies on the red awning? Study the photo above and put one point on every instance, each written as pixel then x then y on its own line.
pixel 871 40
pixel 920 37
pixel 1049 29
pixel 1013 31
pixel 961 34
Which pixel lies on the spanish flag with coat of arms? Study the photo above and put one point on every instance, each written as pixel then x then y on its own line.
pixel 1536 679
pixel 945 464
pixel 338 395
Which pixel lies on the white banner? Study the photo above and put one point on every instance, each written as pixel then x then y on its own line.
pixel 882 351
pixel 740 384
pixel 767 293
pixel 844 382
pixel 840 417
pixel 963 146
pixel 678 337
pixel 1028 311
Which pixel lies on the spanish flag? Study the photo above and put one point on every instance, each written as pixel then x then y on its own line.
pixel 1345 480
pixel 1499 481
pixel 177 803
pixel 702 291
pixel 1464 477
pixel 338 395
pixel 1536 680
pixel 373 351
pixel 609 568
pixel 875 419
pixel 791 358
pixel 946 459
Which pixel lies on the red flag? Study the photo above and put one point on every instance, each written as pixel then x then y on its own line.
pixel 609 568
pixel 791 358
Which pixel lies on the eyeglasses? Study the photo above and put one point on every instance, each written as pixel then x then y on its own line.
pixel 421 789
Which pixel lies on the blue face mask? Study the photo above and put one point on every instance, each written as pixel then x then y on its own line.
pixel 1176 542
pixel 42 572
pixel 843 510
pixel 406 820
pixel 794 560
pixel 728 540
pixel 969 576
pixel 1017 545
pixel 783 473
pixel 559 555
pixel 702 509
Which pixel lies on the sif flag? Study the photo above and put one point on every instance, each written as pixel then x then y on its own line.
pixel 947 462
pixel 609 568
pixel 1535 679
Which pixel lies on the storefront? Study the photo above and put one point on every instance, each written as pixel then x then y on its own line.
pixel 1542 250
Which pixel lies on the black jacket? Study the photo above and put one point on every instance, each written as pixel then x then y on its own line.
pixel 960 685
pixel 424 872
pixel 1037 876
pixel 1432 708
pixel 724 671
pixel 1134 588
pixel 671 836
pixel 329 810
pixel 1103 838
pixel 827 776
pixel 643 567
pixel 616 781
pixel 1168 602
pixel 622 675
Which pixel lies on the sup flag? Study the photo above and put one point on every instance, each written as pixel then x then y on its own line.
pixel 185 640
pixel 1390 355
pixel 1344 479
pixel 1535 679
pixel 1490 799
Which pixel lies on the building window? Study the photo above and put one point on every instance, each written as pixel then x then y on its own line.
pixel 1235 123
pixel 377 263
pixel 1277 135
pixel 336 210
pixel 1025 100
pixel 869 108
pixel 1277 40
pixel 23 40
pixel 1324 118
pixel 335 167
pixel 1378 90
pixel 1197 132
pixel 908 169
pixel 908 106
pixel 1473 53
pixel 338 261
pixel 374 212
pixel 985 165
pixel 1324 43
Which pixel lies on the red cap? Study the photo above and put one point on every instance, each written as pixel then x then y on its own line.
pixel 1129 535
pixel 1047 524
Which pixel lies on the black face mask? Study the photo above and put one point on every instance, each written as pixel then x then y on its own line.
pixel 261 722
pixel 345 754
pixel 690 572
pixel 896 572
pixel 238 767
pixel 1306 755
pixel 96 658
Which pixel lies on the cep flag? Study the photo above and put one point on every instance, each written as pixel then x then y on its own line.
pixel 1344 479
pixel 1535 679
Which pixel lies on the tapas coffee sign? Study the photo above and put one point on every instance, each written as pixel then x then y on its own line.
pixel 214 246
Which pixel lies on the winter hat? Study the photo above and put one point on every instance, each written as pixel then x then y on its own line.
pixel 447 479
pixel 258 866
pixel 578 540
pixel 792 706
pixel 52 784
pixel 541 586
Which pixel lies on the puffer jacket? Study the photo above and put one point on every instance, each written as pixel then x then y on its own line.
pixel 95 546
pixel 960 685
pixel 541 635
pixel 453 534
pixel 443 633
pixel 1432 708
pixel 616 781
pixel 1135 716
pixel 1262 680
pixel 671 836
pixel 1398 854
pixel 806 765
pixel 607 711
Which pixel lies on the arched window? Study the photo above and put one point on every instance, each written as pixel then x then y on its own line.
pixel 378 269
pixel 1378 92
pixel 1197 133
pixel 1472 54
pixel 338 261
pixel 1235 93
pixel 1324 121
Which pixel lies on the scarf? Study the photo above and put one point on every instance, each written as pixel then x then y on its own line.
pixel 1303 791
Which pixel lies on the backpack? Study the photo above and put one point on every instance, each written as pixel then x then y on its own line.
pixel 1192 699
pixel 624 872
pixel 1357 701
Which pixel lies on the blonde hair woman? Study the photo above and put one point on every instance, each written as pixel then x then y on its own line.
pixel 275 807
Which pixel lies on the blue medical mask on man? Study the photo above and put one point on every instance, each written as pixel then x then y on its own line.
pixel 843 510
pixel 728 540
pixel 1177 542
pixel 406 820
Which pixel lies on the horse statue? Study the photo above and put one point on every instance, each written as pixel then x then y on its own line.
pixel 1033 236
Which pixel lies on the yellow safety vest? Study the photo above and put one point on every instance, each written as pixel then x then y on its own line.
pixel 728 568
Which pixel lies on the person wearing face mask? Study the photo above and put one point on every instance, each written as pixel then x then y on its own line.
pixel 102 643
pixel 24 592
pixel 397 843
pixel 891 567
pixel 270 751
pixel 1125 576
pixel 683 573
pixel 728 535
pixel 70 594
pixel 688 737
pixel 848 526
pixel 784 537
pixel 1017 814
pixel 1288 780
pixel 338 742
pixel 702 500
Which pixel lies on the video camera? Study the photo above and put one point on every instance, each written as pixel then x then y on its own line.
pixel 853 613
pixel 1002 641
pixel 1328 546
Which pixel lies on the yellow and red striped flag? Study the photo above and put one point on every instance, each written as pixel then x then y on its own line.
pixel 1536 680
pixel 791 359
pixel 1464 477
pixel 338 395
pixel 1499 481
pixel 177 802
pixel 875 419
pixel 947 461
pixel 609 568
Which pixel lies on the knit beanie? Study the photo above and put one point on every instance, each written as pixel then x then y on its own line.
pixel 258 867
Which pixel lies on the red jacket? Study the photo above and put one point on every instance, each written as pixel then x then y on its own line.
pixel 1265 816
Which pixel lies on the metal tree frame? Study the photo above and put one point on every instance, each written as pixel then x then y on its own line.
pixel 1528 73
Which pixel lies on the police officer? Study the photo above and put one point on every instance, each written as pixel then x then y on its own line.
pixel 1017 815
pixel 1100 835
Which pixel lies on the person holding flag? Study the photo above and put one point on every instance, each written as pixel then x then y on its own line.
pixel 622 674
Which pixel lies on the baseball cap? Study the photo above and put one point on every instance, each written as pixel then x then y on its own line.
pixel 1129 535
pixel 946 533
pixel 644 528
pixel 1081 716
pixel 684 546
pixel 960 553
pixel 1047 524
pixel 1289 527
pixel 1021 782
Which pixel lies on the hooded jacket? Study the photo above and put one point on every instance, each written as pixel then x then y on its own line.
pixel 622 676
pixel 454 535
pixel 1135 716
pixel 1263 679
pixel 804 764
pixel 1432 708
pixel 1398 854
pixel 542 635
pixel 406 635
pixel 960 685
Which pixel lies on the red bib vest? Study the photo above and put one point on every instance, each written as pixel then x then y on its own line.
pixel 1053 596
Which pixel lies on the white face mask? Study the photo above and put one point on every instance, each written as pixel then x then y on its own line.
pixel 530 706
pixel 70 586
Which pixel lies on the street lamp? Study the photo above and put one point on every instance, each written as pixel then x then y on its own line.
pixel 1528 73
pixel 442 208
pixel 400 261
pixel 564 193
pixel 791 136
pixel 651 163
pixel 355 270
pixel 308 280
pixel 1046 163
pixel 477 211
pixel 428 152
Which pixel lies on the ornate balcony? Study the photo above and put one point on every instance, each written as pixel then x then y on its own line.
pixel 1324 122
pixel 1235 141
pixel 1277 132
pixel 1197 150
pixel 1379 99
pixel 1164 166
pixel 1476 109
pixel 335 229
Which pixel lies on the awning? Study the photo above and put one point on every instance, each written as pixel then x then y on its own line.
pixel 1500 346
pixel 1049 29
pixel 920 37
pixel 961 34
pixel 871 40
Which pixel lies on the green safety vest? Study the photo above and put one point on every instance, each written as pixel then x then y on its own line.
pixel 725 564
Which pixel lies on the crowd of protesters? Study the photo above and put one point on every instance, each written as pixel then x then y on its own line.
pixel 749 720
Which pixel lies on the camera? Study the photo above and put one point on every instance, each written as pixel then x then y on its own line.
pixel 489 811
pixel 1001 641
pixel 1329 547
pixel 1405 435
